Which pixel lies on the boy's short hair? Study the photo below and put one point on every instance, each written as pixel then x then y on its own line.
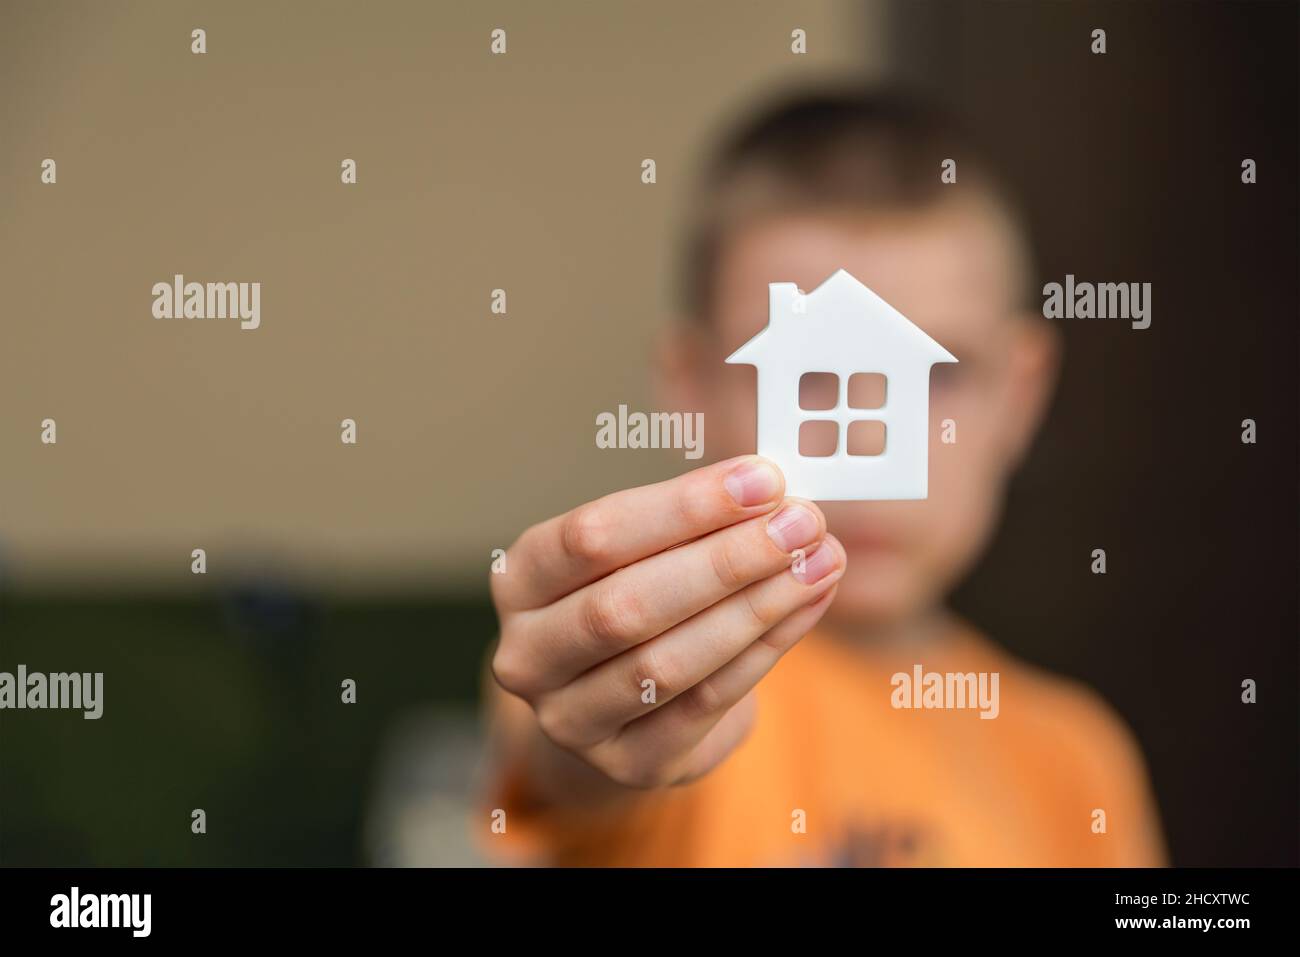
pixel 842 152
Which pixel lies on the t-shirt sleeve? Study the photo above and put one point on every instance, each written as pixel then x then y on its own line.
pixel 1112 782
pixel 512 825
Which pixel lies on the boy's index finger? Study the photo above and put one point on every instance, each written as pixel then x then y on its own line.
pixel 565 553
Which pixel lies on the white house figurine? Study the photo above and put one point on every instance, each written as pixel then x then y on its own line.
pixel 843 328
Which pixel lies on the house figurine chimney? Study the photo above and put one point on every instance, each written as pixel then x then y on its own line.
pixel 784 301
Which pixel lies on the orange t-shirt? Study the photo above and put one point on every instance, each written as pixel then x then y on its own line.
pixel 834 774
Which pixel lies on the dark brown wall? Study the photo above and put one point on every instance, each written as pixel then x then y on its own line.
pixel 1130 162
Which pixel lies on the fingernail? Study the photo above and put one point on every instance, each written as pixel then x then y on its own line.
pixel 793 527
pixel 818 565
pixel 753 483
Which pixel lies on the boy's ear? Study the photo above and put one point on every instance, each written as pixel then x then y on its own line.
pixel 680 352
pixel 1034 371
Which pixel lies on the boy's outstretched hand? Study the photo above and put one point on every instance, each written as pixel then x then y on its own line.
pixel 637 625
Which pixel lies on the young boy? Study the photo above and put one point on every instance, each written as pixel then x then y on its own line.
pixel 671 688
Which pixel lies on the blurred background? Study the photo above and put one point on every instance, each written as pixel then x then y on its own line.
pixel 522 172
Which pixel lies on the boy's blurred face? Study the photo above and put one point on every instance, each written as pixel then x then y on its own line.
pixel 952 270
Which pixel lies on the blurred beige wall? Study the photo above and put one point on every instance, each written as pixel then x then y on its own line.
pixel 475 172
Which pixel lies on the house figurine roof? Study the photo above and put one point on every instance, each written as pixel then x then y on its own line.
pixel 838 322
